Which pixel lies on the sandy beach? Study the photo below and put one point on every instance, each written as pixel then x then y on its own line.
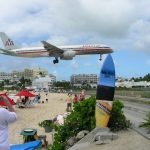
pixel 30 117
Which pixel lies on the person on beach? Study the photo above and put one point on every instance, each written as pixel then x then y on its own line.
pixel 6 117
pixel 46 97
pixel 75 99
pixel 69 102
pixel 82 95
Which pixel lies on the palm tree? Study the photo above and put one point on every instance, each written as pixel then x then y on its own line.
pixel 22 83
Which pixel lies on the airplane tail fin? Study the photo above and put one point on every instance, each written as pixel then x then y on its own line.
pixel 7 42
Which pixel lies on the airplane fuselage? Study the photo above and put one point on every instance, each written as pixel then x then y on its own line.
pixel 49 50
pixel 78 49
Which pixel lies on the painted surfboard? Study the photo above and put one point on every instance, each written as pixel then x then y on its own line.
pixel 105 92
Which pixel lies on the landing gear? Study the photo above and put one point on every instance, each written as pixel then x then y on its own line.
pixel 55 61
pixel 100 57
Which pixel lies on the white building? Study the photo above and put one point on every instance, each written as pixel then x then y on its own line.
pixel 130 84
pixel 81 78
pixel 26 73
pixel 5 76
pixel 43 83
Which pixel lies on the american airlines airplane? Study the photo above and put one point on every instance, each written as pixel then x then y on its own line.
pixel 49 50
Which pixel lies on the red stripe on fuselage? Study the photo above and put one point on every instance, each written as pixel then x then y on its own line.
pixel 77 50
pixel 93 51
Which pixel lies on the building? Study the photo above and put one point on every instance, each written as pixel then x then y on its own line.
pixel 53 77
pixel 131 84
pixel 39 71
pixel 17 75
pixel 30 73
pixel 79 80
pixel 5 76
pixel 43 83
pixel 26 73
pixel 83 78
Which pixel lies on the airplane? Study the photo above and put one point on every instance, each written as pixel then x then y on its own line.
pixel 49 50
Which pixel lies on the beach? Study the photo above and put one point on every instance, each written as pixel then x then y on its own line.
pixel 30 117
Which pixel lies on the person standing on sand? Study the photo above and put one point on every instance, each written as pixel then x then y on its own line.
pixel 82 95
pixel 69 102
pixel 46 97
pixel 75 99
pixel 6 117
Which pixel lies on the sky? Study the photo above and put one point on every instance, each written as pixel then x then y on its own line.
pixel 124 25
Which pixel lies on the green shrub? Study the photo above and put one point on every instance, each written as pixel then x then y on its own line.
pixel 46 123
pixel 117 119
pixel 82 118
pixel 146 124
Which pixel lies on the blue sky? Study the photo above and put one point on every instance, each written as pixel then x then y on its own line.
pixel 123 25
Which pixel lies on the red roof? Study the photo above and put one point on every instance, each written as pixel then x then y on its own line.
pixel 10 100
pixel 25 93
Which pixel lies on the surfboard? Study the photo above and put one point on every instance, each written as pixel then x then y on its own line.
pixel 105 92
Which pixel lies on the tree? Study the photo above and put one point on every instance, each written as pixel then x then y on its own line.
pixel 117 119
pixel 2 85
pixel 6 82
pixel 24 82
pixel 145 78
pixel 64 84
pixel 28 82
pixel 86 85
pixel 82 118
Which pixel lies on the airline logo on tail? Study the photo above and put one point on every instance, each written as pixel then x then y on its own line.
pixel 9 42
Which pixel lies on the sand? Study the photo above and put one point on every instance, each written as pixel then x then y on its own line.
pixel 30 117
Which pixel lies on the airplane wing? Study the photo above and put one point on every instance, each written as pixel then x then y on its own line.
pixel 7 52
pixel 51 48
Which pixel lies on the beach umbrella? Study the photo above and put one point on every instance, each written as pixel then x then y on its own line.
pixel 25 93
pixel 10 100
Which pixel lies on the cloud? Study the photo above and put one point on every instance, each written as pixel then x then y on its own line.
pixel 58 40
pixel 141 30
pixel 121 24
pixel 35 17
pixel 80 21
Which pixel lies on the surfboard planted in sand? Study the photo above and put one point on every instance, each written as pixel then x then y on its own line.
pixel 105 92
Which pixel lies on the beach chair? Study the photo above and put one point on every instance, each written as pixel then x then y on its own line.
pixel 34 101
pixel 29 103
pixel 21 105
pixel 26 146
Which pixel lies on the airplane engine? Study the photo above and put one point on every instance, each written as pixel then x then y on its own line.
pixel 68 55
